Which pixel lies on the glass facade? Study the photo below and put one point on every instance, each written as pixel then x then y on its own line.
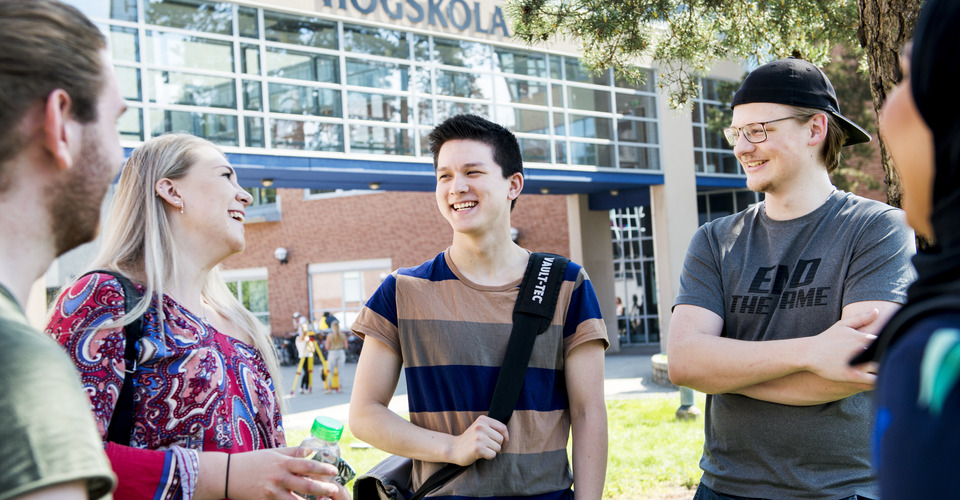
pixel 711 152
pixel 715 204
pixel 634 276
pixel 252 77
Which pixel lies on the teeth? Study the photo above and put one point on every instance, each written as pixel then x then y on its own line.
pixel 465 205
pixel 237 215
pixel 753 163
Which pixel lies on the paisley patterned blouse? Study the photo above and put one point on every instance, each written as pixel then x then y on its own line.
pixel 195 388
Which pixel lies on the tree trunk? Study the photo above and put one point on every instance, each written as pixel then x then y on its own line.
pixel 885 25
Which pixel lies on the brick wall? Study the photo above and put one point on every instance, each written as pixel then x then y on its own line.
pixel 405 227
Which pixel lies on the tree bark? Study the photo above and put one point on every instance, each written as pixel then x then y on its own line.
pixel 885 25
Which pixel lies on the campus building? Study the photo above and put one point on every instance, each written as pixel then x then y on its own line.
pixel 324 106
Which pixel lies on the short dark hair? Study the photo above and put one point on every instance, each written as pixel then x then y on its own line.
pixel 46 45
pixel 506 149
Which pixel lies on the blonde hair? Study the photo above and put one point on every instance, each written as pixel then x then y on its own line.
pixel 137 239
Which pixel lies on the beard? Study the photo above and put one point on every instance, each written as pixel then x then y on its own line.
pixel 75 202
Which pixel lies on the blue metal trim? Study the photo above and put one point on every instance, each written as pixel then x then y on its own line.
pixel 342 173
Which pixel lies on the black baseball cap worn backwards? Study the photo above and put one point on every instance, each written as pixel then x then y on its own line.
pixel 796 82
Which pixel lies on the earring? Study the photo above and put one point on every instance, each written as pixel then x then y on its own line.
pixel 181 206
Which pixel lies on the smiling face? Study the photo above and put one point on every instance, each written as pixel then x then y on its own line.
pixel 911 145
pixel 214 205
pixel 472 193
pixel 787 154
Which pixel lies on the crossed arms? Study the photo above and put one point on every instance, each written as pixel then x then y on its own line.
pixel 800 371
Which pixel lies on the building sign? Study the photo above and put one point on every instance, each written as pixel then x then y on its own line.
pixel 457 14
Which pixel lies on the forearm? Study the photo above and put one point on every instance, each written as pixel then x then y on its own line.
pixel 589 452
pixel 803 389
pixel 380 427
pixel 716 365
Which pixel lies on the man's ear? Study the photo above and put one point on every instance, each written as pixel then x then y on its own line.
pixel 165 188
pixel 61 133
pixel 818 129
pixel 516 185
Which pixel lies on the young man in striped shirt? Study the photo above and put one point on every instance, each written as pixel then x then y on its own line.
pixel 447 322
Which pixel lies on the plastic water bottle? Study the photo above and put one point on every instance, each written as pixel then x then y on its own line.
pixel 323 445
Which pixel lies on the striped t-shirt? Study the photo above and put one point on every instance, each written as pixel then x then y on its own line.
pixel 452 335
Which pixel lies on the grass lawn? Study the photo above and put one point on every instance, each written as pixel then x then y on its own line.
pixel 652 454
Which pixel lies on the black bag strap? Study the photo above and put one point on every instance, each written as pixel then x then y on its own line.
pixel 532 315
pixel 121 423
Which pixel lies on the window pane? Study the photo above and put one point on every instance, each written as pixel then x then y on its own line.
pixel 262 195
pixel 302 66
pixel 194 15
pixel 697 136
pixel 124 44
pixel 421 48
pixel 715 139
pixel 591 126
pixel 647 85
pixel 302 100
pixel 636 105
pixel 129 81
pixel 193 52
pixel 723 163
pixel 639 158
pixel 168 87
pixel 375 41
pixel 745 198
pixel 638 131
pixel 369 106
pixel 299 30
pixel 254 131
pixel 218 129
pixel 577 73
pixel 425 112
pixel 461 53
pixel 377 75
pixel 582 153
pixel 252 95
pixel 381 140
pixel 555 70
pixel 525 91
pixel 721 205
pixel 523 120
pixel 559 125
pixel 560 150
pixel 522 63
pixel 446 109
pixel 248 22
pixel 310 136
pixel 124 10
pixel 130 125
pixel 537 150
pixel 456 84
pixel 250 59
pixel 588 99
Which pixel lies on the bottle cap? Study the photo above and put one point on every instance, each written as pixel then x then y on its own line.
pixel 327 429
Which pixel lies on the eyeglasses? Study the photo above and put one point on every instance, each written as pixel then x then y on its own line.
pixel 754 133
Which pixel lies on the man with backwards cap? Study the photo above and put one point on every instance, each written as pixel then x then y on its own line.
pixel 776 299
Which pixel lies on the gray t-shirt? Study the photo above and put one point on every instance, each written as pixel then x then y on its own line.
pixel 47 432
pixel 772 280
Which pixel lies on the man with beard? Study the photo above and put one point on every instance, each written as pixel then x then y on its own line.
pixel 775 300
pixel 59 151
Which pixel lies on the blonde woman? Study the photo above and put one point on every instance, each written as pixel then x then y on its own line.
pixel 204 381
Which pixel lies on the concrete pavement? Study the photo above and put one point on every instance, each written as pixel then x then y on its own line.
pixel 627 374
